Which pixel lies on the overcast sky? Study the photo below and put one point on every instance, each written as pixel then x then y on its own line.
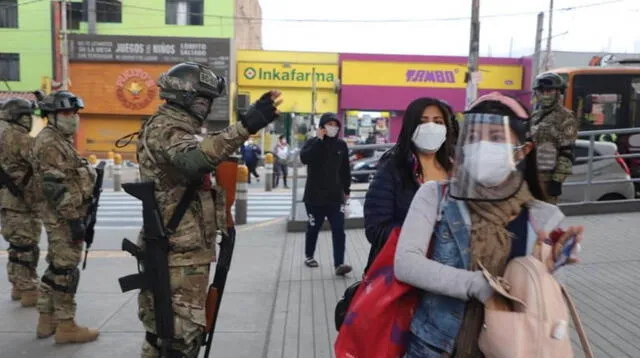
pixel 411 26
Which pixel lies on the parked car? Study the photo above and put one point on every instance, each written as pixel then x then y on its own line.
pixel 370 163
pixel 603 169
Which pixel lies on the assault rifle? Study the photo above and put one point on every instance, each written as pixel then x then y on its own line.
pixel 92 212
pixel 153 261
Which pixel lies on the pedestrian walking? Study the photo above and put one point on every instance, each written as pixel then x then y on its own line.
pixel 327 189
pixel 250 155
pixel 282 157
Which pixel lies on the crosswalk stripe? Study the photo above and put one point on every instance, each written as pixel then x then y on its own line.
pixel 119 210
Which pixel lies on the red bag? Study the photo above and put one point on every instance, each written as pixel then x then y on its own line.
pixel 379 316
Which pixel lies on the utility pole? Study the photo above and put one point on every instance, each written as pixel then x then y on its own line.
pixel 64 46
pixel 547 61
pixel 474 49
pixel 538 44
pixel 511 47
pixel 91 16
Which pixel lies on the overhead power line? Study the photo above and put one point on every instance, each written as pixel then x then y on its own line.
pixel 311 20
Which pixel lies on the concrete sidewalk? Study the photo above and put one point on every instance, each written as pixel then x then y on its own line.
pixel 242 325
pixel 276 307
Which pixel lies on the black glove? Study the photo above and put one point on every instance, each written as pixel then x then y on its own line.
pixel 260 114
pixel 554 188
pixel 77 229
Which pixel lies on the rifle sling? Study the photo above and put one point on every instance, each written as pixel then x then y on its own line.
pixel 182 207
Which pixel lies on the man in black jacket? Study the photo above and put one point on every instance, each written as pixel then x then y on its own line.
pixel 327 189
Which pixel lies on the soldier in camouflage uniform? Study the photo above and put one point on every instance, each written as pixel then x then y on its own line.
pixel 173 154
pixel 555 130
pixel 67 182
pixel 21 226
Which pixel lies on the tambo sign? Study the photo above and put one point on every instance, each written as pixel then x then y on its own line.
pixel 286 75
pixel 428 75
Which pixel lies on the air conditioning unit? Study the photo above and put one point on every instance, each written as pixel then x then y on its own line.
pixel 242 102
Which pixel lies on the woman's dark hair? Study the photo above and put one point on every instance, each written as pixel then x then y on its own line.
pixel 404 147
pixel 531 164
pixel 281 137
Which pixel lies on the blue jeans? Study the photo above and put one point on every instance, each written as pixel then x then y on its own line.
pixel 416 348
pixel 316 215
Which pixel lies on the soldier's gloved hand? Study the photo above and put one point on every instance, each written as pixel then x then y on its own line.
pixel 77 230
pixel 263 112
pixel 554 188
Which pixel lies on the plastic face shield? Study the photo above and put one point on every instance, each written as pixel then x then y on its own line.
pixel 489 160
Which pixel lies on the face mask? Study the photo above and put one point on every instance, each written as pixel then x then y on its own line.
pixel 547 100
pixel 428 137
pixel 67 125
pixel 332 131
pixel 488 163
pixel 200 107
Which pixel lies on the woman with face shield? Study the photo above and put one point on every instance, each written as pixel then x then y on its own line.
pixel 492 210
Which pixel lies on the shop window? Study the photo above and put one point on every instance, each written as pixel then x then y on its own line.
pixel 9 14
pixel 9 67
pixel 184 12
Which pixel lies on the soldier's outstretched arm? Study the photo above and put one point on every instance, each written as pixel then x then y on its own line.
pixel 203 157
pixel 568 135
pixel 55 187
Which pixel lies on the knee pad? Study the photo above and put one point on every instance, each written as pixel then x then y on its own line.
pixel 25 255
pixel 62 279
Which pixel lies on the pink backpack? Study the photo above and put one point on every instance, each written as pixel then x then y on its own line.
pixel 529 315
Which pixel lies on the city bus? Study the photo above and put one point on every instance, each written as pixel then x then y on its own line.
pixel 607 98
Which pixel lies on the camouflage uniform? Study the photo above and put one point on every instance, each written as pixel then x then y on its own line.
pixel 20 224
pixel 67 184
pixel 555 130
pixel 172 153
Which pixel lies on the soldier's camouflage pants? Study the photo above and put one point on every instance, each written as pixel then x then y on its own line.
pixel 22 231
pixel 189 286
pixel 60 280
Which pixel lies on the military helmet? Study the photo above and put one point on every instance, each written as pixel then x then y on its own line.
pixel 185 81
pixel 549 81
pixel 60 101
pixel 15 108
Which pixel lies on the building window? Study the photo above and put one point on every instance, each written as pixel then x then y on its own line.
pixel 184 12
pixel 9 67
pixel 108 10
pixel 9 14
pixel 76 15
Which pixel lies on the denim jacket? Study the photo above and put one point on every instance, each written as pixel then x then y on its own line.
pixel 438 318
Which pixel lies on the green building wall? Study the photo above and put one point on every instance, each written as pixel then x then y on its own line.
pixel 32 40
pixel 33 37
pixel 147 18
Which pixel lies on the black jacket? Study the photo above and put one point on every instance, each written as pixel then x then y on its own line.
pixel 328 171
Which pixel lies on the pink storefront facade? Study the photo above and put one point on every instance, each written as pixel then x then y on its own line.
pixel 388 83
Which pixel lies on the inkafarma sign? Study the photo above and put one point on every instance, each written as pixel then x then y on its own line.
pixel 286 75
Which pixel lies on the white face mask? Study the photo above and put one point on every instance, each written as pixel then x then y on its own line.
pixel 488 163
pixel 332 131
pixel 428 137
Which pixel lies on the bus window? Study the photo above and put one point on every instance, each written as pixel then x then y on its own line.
pixel 635 101
pixel 609 105
pixel 606 109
